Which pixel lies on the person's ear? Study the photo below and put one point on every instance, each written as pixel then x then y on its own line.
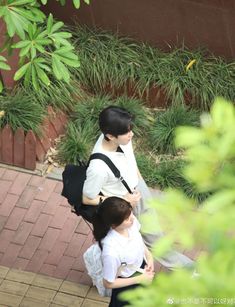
pixel 110 137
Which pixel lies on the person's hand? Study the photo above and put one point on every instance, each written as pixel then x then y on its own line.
pixel 147 276
pixel 150 264
pixel 133 198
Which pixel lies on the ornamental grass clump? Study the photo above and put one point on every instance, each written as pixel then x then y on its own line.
pixel 167 172
pixel 161 136
pixel 77 143
pixel 89 108
pixel 108 61
pixel 112 63
pixel 20 111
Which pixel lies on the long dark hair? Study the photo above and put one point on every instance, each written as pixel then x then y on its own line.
pixel 115 121
pixel 112 212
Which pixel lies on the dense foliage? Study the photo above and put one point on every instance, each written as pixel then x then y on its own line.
pixel 210 151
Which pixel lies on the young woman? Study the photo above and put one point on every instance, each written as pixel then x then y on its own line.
pixel 123 250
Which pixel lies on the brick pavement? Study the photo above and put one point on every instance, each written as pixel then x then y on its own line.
pixel 40 235
pixel 38 232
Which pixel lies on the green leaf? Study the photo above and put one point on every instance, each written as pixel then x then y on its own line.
pixel 62 35
pixel 30 31
pixel 4 66
pixel 44 66
pixel 34 78
pixel 43 41
pixel 42 75
pixel 39 48
pixel 27 76
pixel 87 1
pixel 3 10
pixel 49 23
pixel 2 58
pixel 33 52
pixel 39 14
pixel 59 69
pixel 21 2
pixel 1 86
pixel 20 72
pixel 24 51
pixel 61 41
pixel 76 3
pixel 56 67
pixel 20 23
pixel 10 26
pixel 64 50
pixel 21 44
pixel 25 13
pixel 44 2
pixel 57 26
pixel 69 62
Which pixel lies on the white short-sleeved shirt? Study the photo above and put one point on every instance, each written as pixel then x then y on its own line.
pixel 101 179
pixel 118 249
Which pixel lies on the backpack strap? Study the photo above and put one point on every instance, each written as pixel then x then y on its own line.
pixel 113 168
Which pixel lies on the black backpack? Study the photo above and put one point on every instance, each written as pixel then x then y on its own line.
pixel 73 178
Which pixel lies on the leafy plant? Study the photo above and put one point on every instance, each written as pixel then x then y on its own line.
pixel 58 50
pixel 108 61
pixel 163 130
pixel 77 143
pixel 210 151
pixel 25 19
pixel 163 173
pixel 113 64
pixel 21 112
pixel 60 95
pixel 89 108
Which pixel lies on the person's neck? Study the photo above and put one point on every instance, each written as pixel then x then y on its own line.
pixel 123 232
pixel 109 145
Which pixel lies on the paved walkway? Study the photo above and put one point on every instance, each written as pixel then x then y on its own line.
pixel 42 244
pixel 27 289
pixel 40 235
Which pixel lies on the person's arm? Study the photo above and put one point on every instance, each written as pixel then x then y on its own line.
pixel 93 201
pixel 149 260
pixel 95 180
pixel 147 276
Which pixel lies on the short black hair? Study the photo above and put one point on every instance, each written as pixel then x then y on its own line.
pixel 115 121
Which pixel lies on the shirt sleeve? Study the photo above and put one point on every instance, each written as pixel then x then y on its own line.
pixel 96 177
pixel 111 264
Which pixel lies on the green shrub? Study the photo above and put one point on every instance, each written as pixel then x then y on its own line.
pixel 89 109
pixel 110 62
pixel 210 151
pixel 167 173
pixel 162 174
pixel 21 112
pixel 105 59
pixel 77 143
pixel 59 95
pixel 162 133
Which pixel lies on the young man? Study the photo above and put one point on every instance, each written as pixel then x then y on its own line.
pixel 115 142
